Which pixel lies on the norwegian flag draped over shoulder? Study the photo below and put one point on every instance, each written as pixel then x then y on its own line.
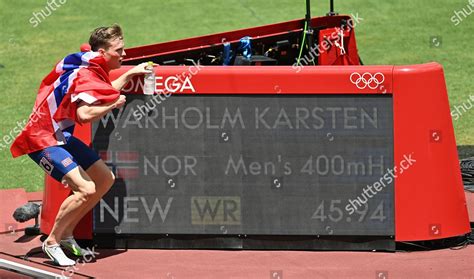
pixel 79 76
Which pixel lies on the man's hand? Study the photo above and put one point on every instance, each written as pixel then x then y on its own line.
pixel 140 69
pixel 120 101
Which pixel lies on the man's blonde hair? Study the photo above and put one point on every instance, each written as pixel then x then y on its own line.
pixel 102 36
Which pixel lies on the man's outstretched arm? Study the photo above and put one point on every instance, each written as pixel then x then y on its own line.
pixel 140 69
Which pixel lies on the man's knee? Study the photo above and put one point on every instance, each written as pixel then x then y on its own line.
pixel 112 179
pixel 86 190
pixel 101 175
pixel 108 180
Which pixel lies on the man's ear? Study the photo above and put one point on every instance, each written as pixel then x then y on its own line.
pixel 101 51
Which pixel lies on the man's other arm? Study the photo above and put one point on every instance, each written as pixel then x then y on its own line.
pixel 89 112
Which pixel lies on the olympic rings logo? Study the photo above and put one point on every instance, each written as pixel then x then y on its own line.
pixel 367 80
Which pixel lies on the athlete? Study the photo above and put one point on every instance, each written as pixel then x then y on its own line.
pixel 77 90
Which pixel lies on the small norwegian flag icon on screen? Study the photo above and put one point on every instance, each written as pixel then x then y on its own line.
pixel 124 164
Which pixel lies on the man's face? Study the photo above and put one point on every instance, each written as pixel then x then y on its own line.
pixel 114 54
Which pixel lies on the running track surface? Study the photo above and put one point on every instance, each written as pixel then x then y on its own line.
pixel 178 264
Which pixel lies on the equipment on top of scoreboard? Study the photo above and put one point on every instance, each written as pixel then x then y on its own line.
pixel 256 60
pixel 328 40
pixel 336 46
pixel 243 55
pixel 331 9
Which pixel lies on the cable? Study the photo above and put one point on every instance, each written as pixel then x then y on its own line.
pixel 467 173
pixel 454 243
pixel 416 245
pixel 302 44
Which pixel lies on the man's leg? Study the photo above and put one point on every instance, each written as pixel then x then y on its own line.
pixel 103 179
pixel 83 189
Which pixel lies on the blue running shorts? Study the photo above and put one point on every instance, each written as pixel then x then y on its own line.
pixel 61 159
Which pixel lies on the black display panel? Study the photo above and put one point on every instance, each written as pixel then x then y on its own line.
pixel 248 164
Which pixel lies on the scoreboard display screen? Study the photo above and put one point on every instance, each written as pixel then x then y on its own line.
pixel 248 164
